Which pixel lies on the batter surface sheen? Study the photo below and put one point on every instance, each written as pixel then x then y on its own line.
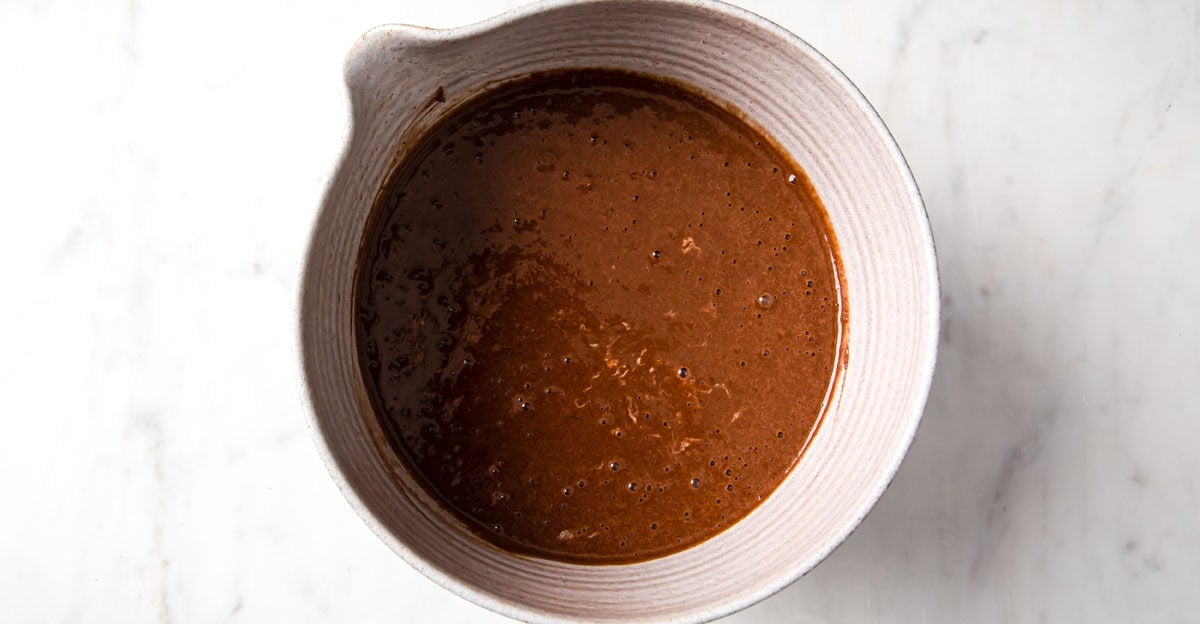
pixel 598 316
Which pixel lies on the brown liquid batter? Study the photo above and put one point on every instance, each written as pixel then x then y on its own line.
pixel 598 316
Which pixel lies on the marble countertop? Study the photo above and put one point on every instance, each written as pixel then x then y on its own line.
pixel 162 163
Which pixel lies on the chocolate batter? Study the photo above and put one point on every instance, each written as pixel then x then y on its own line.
pixel 598 316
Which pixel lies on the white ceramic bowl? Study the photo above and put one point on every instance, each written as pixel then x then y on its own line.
pixel 397 77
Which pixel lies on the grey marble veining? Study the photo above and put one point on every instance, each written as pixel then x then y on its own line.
pixel 162 165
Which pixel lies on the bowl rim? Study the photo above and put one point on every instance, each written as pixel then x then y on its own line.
pixel 505 19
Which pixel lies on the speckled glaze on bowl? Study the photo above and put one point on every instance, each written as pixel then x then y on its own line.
pixel 402 78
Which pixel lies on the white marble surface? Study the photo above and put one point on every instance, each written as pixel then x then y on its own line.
pixel 159 167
